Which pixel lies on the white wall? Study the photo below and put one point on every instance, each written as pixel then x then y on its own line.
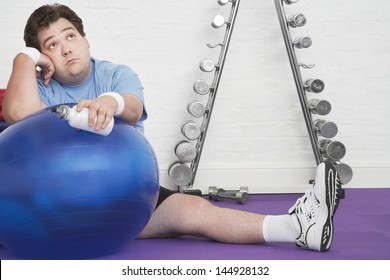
pixel 257 136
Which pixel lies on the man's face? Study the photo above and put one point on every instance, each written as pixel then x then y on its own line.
pixel 68 50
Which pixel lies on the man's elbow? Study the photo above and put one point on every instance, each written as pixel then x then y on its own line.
pixel 134 109
pixel 13 115
pixel 137 115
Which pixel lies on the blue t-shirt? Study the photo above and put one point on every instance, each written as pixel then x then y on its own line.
pixel 105 76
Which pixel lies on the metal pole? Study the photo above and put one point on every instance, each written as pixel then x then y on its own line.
pixel 298 81
pixel 214 88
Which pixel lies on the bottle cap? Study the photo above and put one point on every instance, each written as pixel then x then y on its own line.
pixel 62 111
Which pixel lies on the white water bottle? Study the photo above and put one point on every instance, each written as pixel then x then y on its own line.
pixel 79 120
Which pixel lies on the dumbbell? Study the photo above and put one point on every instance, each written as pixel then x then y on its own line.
pixel 219 21
pixel 224 2
pixel 191 130
pixel 192 191
pixel 180 173
pixel 325 128
pixel 319 107
pixel 202 87
pixel 344 171
pixel 289 2
pixel 302 42
pixel 314 85
pixel 196 109
pixel 185 151
pixel 219 194
pixel 207 65
pixel 296 20
pixel 333 150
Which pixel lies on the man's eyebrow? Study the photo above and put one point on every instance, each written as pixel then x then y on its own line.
pixel 62 31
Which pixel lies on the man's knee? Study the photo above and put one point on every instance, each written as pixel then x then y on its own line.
pixel 192 202
pixel 190 211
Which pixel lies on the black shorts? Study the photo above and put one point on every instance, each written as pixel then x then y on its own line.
pixel 164 194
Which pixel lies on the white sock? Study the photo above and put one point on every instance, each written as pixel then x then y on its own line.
pixel 279 228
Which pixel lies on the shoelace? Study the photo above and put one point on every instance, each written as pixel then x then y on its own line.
pixel 307 204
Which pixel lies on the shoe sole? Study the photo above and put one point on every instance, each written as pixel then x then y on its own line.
pixel 326 215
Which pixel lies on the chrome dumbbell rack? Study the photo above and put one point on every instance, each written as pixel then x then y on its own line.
pixel 320 131
pixel 186 151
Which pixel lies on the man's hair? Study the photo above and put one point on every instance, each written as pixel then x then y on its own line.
pixel 45 15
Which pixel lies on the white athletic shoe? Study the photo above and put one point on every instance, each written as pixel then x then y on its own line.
pixel 313 213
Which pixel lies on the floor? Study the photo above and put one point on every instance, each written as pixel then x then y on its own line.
pixel 362 232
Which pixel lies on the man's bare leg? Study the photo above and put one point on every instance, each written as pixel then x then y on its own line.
pixel 182 214
pixel 308 223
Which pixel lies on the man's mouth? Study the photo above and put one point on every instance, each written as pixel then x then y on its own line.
pixel 71 61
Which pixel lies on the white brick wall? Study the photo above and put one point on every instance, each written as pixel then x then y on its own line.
pixel 257 135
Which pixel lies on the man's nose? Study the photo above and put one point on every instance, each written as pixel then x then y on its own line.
pixel 66 50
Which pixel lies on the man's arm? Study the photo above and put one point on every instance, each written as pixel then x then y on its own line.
pixel 22 97
pixel 133 109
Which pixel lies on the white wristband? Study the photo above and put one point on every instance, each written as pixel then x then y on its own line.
pixel 33 53
pixel 119 98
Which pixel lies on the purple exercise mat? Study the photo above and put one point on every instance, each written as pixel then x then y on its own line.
pixel 362 232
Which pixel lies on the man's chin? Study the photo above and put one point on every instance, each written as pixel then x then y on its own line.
pixel 71 79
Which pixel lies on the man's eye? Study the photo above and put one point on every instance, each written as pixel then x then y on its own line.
pixel 71 36
pixel 52 46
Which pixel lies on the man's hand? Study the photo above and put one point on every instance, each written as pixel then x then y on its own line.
pixel 101 110
pixel 47 67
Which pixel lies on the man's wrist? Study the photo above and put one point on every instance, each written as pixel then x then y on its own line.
pixel 119 98
pixel 33 53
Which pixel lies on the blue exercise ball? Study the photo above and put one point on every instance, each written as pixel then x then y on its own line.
pixel 72 194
